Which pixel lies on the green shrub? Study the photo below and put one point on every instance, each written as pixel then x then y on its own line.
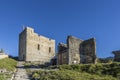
pixel 106 71
pixel 68 67
pixel 112 69
pixel 95 69
pixel 67 75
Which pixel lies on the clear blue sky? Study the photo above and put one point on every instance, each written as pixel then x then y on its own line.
pixel 58 18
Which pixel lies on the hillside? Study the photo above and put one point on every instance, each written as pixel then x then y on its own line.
pixel 8 65
pixel 79 72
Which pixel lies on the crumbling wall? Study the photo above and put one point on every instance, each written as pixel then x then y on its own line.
pixel 74 49
pixel 77 51
pixel 62 54
pixel 117 55
pixel 3 56
pixel 88 51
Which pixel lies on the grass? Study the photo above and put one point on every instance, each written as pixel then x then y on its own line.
pixel 35 65
pixel 68 75
pixel 109 71
pixel 2 77
pixel 8 64
pixel 112 69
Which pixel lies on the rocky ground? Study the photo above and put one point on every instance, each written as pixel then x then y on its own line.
pixel 21 73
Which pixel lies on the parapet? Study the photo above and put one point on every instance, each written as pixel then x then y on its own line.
pixel 29 29
pixel 72 37
pixel 63 45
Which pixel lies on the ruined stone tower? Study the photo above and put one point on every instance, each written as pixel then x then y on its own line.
pixel 117 55
pixel 34 47
pixel 77 51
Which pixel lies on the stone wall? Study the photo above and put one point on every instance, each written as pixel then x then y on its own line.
pixel 88 51
pixel 74 49
pixel 63 54
pixel 117 55
pixel 3 70
pixel 77 51
pixel 22 45
pixel 3 56
pixel 35 47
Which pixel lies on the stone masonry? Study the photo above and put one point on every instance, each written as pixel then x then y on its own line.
pixel 62 53
pixel 77 51
pixel 3 55
pixel 117 55
pixel 34 47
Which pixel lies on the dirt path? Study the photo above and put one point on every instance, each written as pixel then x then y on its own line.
pixel 21 72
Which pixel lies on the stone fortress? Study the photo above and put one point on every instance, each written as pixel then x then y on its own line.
pixel 37 48
pixel 116 55
pixel 34 47
pixel 77 51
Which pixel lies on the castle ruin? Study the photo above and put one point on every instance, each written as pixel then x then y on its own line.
pixel 77 51
pixel 3 54
pixel 117 55
pixel 34 47
pixel 37 48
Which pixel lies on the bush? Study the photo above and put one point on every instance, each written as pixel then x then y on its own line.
pixel 106 71
pixel 67 75
pixel 112 69
pixel 68 67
